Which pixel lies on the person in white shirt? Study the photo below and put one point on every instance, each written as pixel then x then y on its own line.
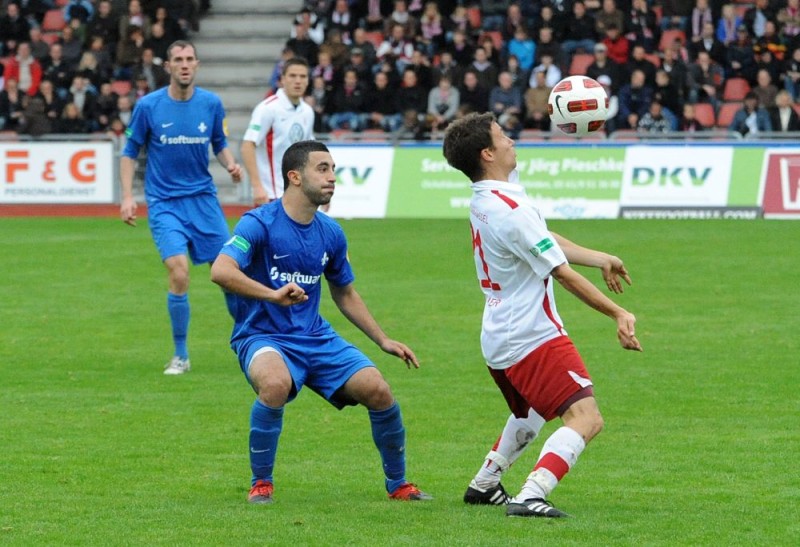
pixel 277 122
pixel 523 340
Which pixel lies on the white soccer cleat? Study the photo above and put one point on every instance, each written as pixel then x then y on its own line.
pixel 176 366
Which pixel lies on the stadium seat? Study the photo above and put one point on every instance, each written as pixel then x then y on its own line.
pixel 669 36
pixel 580 62
pixel 62 3
pixel 121 87
pixel 51 37
pixel 735 89
pixel 376 37
pixel 496 36
pixel 654 58
pixel 796 107
pixel 704 113
pixel 726 113
pixel 53 21
pixel 474 16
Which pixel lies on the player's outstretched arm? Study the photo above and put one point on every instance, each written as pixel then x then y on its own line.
pixel 612 268
pixel 592 297
pixel 127 206
pixel 226 273
pixel 355 310
pixel 226 159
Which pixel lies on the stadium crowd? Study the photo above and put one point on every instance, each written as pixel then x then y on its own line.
pixel 409 67
pixel 78 66
pixel 412 66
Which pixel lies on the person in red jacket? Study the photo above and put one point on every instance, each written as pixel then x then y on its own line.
pixel 618 46
pixel 25 69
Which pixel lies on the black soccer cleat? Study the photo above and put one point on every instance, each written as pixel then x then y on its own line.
pixel 492 496
pixel 534 507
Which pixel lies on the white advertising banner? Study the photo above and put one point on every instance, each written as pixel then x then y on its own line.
pixel 666 176
pixel 57 172
pixel 363 175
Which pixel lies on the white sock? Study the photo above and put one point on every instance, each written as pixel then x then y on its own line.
pixel 517 434
pixel 558 455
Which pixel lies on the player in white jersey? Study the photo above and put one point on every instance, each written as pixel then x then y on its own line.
pixel 530 356
pixel 277 122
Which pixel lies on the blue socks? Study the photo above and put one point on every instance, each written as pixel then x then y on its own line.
pixel 178 306
pixel 390 438
pixel 265 428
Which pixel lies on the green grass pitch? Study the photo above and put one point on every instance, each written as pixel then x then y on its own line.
pixel 97 447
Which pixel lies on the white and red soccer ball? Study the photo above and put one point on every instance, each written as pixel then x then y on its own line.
pixel 578 106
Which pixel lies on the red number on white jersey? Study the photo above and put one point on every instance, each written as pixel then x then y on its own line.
pixel 486 282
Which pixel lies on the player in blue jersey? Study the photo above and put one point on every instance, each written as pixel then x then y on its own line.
pixel 275 262
pixel 176 124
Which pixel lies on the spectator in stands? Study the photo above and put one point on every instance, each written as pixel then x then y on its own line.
pixel 707 41
pixel 373 13
pixel 82 96
pixel 326 70
pixel 770 42
pixel 551 71
pixel 666 93
pixel 523 48
pixel 316 24
pixel 140 87
pixel 474 97
pixel 389 67
pixel 698 19
pixel 608 15
pixel 505 100
pixel 728 24
pixel 492 52
pixel 398 46
pixel 689 122
pixel 59 71
pixel 740 60
pixel 25 70
pixel 124 109
pixel 174 27
pixel 536 115
pixel 153 73
pixel 458 20
pixel 446 66
pixel 11 105
pixel 72 121
pixel 157 42
pixel 788 20
pixel 34 118
pixel 460 48
pixel 14 28
pixel 547 45
pixel 134 17
pixel 634 101
pixel 116 131
pixel 340 53
pixel 752 118
pixel 641 26
pixel 707 80
pixel 106 25
pixel 443 103
pixel 603 66
pixel 341 19
pixel 360 65
pixel 104 64
pixel 791 74
pixel 303 45
pixel 582 35
pixel 34 10
pixel 78 10
pixel 783 116
pixel 640 61
pixel 347 103
pixel 548 19
pixel 412 100
pixel 129 53
pixel 513 21
pixel 756 17
pixel 432 32
pixel 675 13
pixel 655 120
pixel 493 13
pixel 39 48
pixel 519 77
pixel 53 105
pixel 484 68
pixel 764 89
pixel 318 100
pixel 381 104
pixel 401 16
pixel 421 65
pixel 362 42
pixel 618 46
pixel 71 45
pixel 105 106
pixel 613 104
pixel 678 72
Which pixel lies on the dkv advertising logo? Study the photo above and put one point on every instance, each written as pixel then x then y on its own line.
pixel 676 176
pixel 362 181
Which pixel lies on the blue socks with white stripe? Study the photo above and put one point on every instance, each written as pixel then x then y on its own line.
pixel 178 307
pixel 265 428
pixel 390 438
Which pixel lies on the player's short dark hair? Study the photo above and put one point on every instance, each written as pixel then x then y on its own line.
pixel 464 140
pixel 296 157
pixel 294 61
pixel 180 44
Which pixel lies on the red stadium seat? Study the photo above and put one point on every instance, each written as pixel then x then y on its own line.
pixel 704 113
pixel 53 21
pixel 121 87
pixel 654 58
pixel 735 89
pixel 376 37
pixel 474 16
pixel 669 36
pixel 726 113
pixel 496 36
pixel 580 62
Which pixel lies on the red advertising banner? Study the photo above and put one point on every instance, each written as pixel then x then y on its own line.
pixel 781 191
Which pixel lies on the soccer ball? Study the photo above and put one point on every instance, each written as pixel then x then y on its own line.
pixel 578 106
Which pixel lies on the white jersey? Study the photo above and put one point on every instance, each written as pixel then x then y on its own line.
pixel 514 255
pixel 275 125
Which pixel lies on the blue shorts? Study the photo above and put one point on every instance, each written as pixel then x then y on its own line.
pixel 192 225
pixel 323 362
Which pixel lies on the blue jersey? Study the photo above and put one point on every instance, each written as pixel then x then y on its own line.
pixel 275 250
pixel 177 134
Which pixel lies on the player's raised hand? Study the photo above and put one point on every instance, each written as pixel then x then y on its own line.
pixel 259 195
pixel 289 295
pixel 235 171
pixel 399 349
pixel 613 270
pixel 626 333
pixel 127 211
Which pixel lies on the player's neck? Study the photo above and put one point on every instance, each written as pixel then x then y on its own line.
pixel 298 208
pixel 180 93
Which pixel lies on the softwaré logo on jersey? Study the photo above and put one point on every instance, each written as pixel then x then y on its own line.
pixel 293 277
pixel 541 247
pixel 183 139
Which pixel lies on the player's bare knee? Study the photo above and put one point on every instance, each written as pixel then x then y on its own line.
pixel 274 392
